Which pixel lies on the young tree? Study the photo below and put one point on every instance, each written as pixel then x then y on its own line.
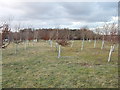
pixel 5 26
pixel 51 36
pixel 97 30
pixel 57 33
pixel 104 33
pixel 103 39
pixel 83 37
pixel 62 39
pixel 17 37
pixel 36 35
pixel 26 38
pixel 113 33
pixel 5 35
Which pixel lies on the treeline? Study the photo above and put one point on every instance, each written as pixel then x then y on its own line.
pixel 53 34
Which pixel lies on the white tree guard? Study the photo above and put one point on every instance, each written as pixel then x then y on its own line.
pixel 102 44
pixel 113 49
pixel 50 42
pixel 72 43
pixel 95 43
pixel 59 51
pixel 110 53
pixel 89 40
pixel 82 45
pixel 56 45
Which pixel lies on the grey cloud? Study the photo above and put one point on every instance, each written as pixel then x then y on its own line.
pixel 64 13
pixel 43 11
pixel 91 11
pixel 87 11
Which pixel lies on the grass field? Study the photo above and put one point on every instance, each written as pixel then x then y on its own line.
pixel 39 67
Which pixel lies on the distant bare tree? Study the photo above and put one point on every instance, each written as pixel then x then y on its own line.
pixel 96 36
pixel 5 36
pixel 103 33
pixel 5 28
pixel 36 35
pixel 72 35
pixel 113 32
pixel 51 36
pixel 17 37
pixel 83 37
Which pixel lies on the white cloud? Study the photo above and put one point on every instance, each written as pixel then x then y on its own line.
pixel 114 18
pixel 64 15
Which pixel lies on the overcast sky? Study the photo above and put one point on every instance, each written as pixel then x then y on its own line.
pixel 59 14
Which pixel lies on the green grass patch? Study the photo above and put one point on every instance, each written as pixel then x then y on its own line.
pixel 39 67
